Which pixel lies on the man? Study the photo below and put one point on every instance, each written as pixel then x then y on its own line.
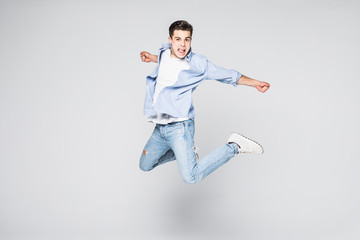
pixel 168 103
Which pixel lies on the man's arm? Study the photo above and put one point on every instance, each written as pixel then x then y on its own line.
pixel 261 86
pixel 233 77
pixel 243 80
pixel 147 57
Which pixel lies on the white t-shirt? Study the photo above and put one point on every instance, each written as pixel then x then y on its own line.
pixel 168 74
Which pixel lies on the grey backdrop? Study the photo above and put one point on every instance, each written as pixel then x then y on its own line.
pixel 71 126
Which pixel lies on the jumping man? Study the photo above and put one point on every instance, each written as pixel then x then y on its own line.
pixel 168 104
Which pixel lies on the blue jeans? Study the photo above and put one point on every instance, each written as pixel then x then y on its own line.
pixel 175 141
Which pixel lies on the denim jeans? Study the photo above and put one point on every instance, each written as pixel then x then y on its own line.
pixel 175 141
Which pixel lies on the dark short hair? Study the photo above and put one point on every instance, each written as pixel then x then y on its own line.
pixel 180 25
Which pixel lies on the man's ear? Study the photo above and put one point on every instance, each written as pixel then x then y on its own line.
pixel 169 38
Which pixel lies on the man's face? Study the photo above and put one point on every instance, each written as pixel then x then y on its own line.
pixel 180 43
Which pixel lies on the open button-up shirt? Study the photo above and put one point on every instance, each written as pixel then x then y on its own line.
pixel 176 100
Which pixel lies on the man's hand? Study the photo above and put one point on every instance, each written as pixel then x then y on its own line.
pixel 147 57
pixel 261 86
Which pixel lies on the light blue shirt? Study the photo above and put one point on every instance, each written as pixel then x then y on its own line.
pixel 176 100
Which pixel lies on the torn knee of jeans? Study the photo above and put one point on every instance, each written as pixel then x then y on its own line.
pixel 195 149
pixel 144 152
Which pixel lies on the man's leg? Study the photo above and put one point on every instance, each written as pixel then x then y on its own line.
pixel 156 152
pixel 181 141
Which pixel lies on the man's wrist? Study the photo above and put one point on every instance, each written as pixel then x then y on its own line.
pixel 154 58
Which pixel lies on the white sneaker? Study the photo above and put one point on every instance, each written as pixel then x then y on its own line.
pixel 245 144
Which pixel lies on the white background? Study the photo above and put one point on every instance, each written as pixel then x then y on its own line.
pixel 72 88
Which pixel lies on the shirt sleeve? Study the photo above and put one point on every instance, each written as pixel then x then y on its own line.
pixel 228 76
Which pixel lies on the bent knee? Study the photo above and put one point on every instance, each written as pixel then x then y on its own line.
pixel 190 179
pixel 144 168
pixel 143 163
